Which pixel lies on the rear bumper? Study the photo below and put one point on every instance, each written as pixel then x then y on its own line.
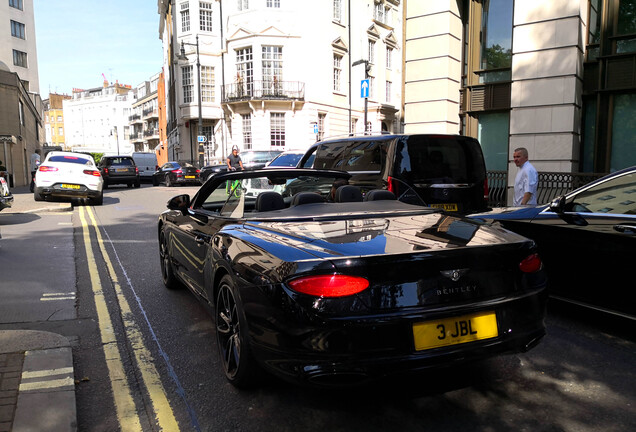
pixel 121 179
pixel 56 190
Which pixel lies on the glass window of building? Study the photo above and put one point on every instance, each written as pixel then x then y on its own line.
pixel 389 58
pixel 17 4
pixel 205 16
pixel 185 17
pixel 20 58
pixel 496 40
pixel 337 10
pixel 243 5
pixel 388 91
pixel 244 71
pixel 186 82
pixel 277 129
pixel 371 51
pixel 626 27
pixel 623 132
pixel 337 72
pixel 322 118
pixel 272 66
pixel 207 84
pixel 273 3
pixel 17 29
pixel 246 120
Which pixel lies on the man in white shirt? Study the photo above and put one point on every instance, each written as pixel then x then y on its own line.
pixel 35 163
pixel 526 180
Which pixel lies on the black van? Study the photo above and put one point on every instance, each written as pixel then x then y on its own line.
pixel 443 171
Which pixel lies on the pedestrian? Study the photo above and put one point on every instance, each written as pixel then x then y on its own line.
pixel 35 163
pixel 234 161
pixel 526 180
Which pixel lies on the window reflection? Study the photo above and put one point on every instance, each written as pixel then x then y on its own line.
pixel 496 48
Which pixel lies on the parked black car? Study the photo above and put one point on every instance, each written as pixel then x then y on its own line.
pixel 330 293
pixel 210 170
pixel 119 170
pixel 252 159
pixel 587 240
pixel 176 173
pixel 443 171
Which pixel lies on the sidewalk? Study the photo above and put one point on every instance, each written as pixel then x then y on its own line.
pixel 37 388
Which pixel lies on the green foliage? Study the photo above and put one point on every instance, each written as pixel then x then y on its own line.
pixel 97 157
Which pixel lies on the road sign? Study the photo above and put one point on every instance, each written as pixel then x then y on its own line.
pixel 315 128
pixel 364 88
pixel 201 139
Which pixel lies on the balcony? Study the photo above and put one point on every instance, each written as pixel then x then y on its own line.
pixel 264 90
pixel 151 133
pixel 151 113
pixel 136 137
pixel 135 118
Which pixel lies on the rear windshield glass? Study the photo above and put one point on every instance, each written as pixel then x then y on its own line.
pixel 288 160
pixel 430 159
pixel 258 156
pixel 121 161
pixel 70 159
pixel 351 155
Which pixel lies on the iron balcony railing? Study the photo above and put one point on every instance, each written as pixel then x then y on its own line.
pixel 263 90
pixel 551 185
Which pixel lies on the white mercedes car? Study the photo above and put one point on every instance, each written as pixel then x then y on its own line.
pixel 68 175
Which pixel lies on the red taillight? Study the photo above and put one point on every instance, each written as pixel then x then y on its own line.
pixel 106 171
pixel 177 171
pixel 393 186
pixel 44 168
pixel 329 285
pixel 136 170
pixel 198 171
pixel 92 172
pixel 486 190
pixel 531 264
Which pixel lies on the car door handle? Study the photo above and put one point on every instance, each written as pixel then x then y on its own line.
pixel 625 229
pixel 200 240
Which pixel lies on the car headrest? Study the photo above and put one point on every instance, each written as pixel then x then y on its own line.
pixel 348 193
pixel 306 198
pixel 379 194
pixel 268 201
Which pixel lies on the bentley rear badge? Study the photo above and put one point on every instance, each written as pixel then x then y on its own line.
pixel 454 275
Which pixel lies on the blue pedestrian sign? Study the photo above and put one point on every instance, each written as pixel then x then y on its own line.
pixel 364 88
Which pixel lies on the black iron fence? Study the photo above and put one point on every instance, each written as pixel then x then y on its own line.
pixel 551 185
pixel 267 89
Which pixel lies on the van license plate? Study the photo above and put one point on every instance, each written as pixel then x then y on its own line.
pixel 447 207
pixel 456 330
pixel 70 186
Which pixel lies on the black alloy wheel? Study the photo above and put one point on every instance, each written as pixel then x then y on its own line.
pixel 231 333
pixel 167 273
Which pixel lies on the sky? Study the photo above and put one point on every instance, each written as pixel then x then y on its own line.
pixel 79 40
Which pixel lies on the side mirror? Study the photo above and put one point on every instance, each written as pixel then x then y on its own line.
pixel 180 203
pixel 558 205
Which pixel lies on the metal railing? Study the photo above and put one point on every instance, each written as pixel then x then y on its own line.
pixel 551 185
pixel 268 89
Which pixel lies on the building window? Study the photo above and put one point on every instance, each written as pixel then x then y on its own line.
pixel 244 72
pixel 21 112
pixel 243 5
pixel 246 119
pixel 371 51
pixel 496 47
pixel 388 91
pixel 186 82
pixel 59 119
pixel 16 4
pixel 337 10
pixel 273 3
pixel 60 131
pixel 277 129
pixel 205 16
pixel 626 27
pixel 20 58
pixel 17 29
pixel 379 13
pixel 353 125
pixel 337 72
pixel 207 83
pixel 371 86
pixel 185 17
pixel 623 138
pixel 594 32
pixel 322 117
pixel 389 58
pixel 272 60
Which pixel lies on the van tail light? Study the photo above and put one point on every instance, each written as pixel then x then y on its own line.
pixel 393 186
pixel 531 264
pixel 44 168
pixel 335 285
pixel 94 173
pixel 486 190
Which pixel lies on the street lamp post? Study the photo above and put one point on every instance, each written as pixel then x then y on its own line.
pixel 182 56
pixel 366 99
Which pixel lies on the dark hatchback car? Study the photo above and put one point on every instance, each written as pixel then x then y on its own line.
pixel 337 293
pixel 119 170
pixel 587 240
pixel 176 173
pixel 443 171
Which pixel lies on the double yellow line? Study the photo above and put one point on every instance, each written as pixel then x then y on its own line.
pixel 124 403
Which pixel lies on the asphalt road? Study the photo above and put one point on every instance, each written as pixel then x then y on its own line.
pixel 580 378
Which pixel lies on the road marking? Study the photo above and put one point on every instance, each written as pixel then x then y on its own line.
pixel 164 415
pixel 46 372
pixel 124 403
pixel 57 296
pixel 48 384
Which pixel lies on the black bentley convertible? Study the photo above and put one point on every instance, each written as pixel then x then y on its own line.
pixel 326 286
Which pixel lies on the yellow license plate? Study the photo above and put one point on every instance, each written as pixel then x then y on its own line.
pixel 190 177
pixel 447 207
pixel 70 186
pixel 456 330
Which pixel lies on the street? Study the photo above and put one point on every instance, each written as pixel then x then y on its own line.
pixel 145 357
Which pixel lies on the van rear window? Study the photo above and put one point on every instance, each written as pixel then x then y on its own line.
pixel 363 155
pixel 441 159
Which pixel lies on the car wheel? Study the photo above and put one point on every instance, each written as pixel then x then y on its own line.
pixel 105 186
pixel 168 181
pixel 155 181
pixel 37 196
pixel 232 336
pixel 167 273
pixel 129 185
pixel 138 183
pixel 98 200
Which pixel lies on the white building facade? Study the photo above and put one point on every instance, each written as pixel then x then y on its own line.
pixel 278 74
pixel 96 120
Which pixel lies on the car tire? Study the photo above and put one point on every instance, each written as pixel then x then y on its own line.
pixel 167 272
pixel 168 181
pixel 129 185
pixel 138 183
pixel 98 200
pixel 105 186
pixel 232 336
pixel 155 182
pixel 37 196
